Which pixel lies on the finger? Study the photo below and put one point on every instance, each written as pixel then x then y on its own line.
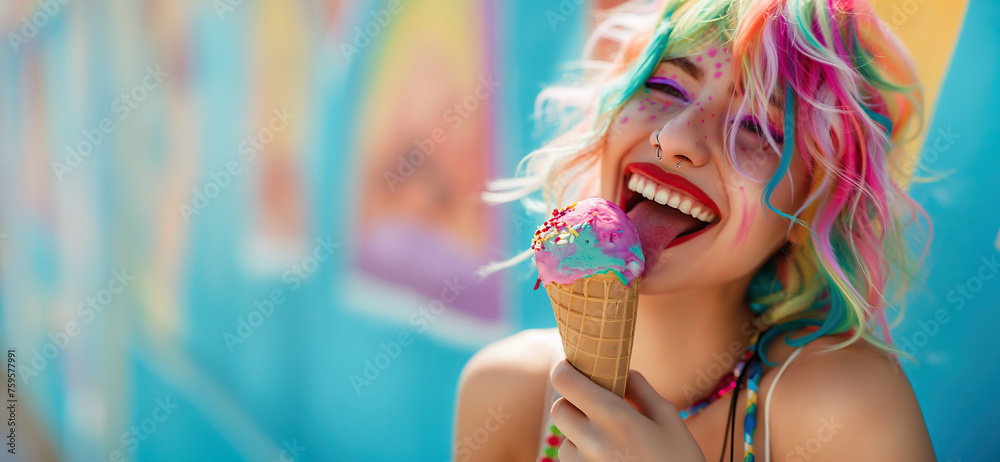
pixel 570 421
pixel 644 398
pixel 589 397
pixel 568 452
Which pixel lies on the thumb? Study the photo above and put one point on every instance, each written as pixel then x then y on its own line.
pixel 644 398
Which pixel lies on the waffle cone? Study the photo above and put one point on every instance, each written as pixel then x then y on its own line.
pixel 596 317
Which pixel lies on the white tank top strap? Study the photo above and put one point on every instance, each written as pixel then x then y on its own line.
pixel 767 403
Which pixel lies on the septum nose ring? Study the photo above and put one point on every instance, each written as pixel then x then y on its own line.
pixel 659 157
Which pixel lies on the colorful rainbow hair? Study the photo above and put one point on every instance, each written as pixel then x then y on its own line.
pixel 851 98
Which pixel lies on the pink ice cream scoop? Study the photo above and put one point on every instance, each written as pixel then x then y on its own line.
pixel 589 237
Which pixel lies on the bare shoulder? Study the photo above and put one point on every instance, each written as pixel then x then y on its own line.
pixel 852 403
pixel 501 398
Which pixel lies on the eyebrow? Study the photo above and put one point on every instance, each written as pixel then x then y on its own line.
pixel 692 69
pixel 687 66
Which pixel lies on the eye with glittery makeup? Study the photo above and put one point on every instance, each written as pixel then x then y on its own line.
pixel 668 86
pixel 755 127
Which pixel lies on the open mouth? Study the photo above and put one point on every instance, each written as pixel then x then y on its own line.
pixel 667 209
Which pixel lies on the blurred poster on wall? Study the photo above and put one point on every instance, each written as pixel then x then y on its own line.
pixel 424 152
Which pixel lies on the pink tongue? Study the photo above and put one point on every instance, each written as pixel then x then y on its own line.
pixel 658 225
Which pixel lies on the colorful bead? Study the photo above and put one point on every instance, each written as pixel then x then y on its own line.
pixel 724 386
pixel 750 422
pixel 551 450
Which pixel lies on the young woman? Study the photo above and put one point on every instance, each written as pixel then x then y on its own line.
pixel 772 125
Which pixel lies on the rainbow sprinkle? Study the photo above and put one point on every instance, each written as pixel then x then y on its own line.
pixel 555 229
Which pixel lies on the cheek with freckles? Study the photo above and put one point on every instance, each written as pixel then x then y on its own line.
pixel 644 106
pixel 741 201
pixel 745 197
pixel 764 228
pixel 755 228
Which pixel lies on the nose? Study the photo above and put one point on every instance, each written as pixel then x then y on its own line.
pixel 678 146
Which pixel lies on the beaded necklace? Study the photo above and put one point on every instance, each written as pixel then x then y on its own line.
pixel 748 369
pixel 725 384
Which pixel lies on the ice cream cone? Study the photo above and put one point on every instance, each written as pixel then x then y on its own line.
pixel 596 317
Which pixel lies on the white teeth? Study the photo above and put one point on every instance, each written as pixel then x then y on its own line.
pixel 649 191
pixel 685 206
pixel 661 196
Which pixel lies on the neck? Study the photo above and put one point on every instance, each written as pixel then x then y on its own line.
pixel 686 342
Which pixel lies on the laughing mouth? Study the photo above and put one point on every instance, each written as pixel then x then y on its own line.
pixel 647 181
